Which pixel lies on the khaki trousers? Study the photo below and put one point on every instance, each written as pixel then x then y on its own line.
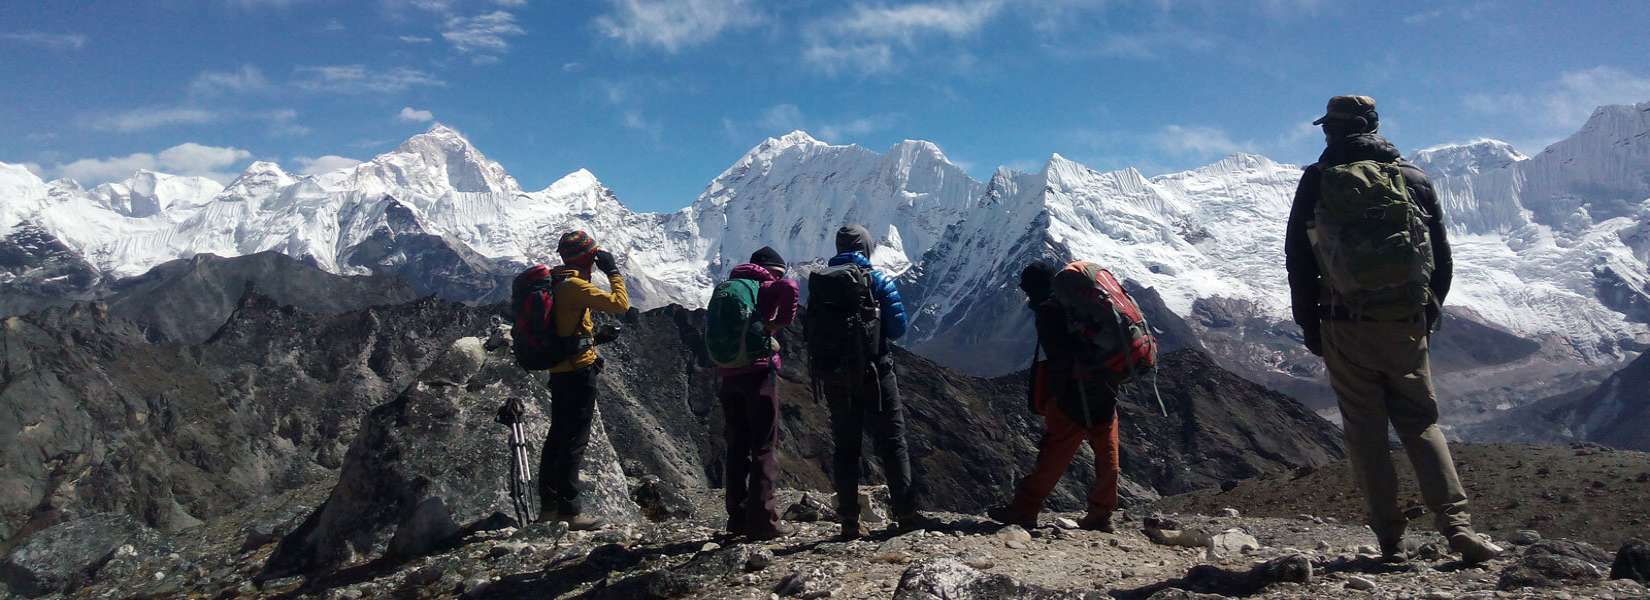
pixel 1382 374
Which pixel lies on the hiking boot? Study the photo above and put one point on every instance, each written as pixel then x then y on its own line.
pixel 737 527
pixel 760 533
pixel 1008 516
pixel 852 531
pixel 575 522
pixel 1097 521
pixel 908 523
pixel 1473 549
pixel 1392 552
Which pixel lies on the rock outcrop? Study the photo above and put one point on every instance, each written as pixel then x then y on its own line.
pixel 432 465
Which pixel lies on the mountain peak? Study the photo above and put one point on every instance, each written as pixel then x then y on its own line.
pixel 435 162
pixel 573 183
pixel 1476 156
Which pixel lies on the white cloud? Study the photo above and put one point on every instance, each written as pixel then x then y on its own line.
pixel 572 67
pixel 1551 111
pixel 782 118
pixel 401 8
pixel 141 119
pixel 357 79
pixel 864 38
pixel 247 79
pixel 323 164
pixel 47 40
pixel 332 26
pixel 482 36
pixel 413 115
pixel 511 3
pixel 34 168
pixel 188 158
pixel 635 120
pixel 863 58
pixel 416 39
pixel 955 19
pixel 282 122
pixel 672 25
pixel 855 127
pixel 1197 142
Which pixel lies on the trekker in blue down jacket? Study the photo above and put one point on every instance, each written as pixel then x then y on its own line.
pixel 864 398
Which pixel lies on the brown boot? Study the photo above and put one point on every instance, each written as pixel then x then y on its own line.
pixel 853 530
pixel 1097 521
pixel 762 534
pixel 1008 516
pixel 1473 549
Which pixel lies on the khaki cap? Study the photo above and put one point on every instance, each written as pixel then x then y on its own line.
pixel 1347 107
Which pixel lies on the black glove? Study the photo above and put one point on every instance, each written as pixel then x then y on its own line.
pixel 606 263
pixel 633 316
pixel 1435 317
pixel 607 333
pixel 1314 340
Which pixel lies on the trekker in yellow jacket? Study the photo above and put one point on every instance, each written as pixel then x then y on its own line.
pixel 573 382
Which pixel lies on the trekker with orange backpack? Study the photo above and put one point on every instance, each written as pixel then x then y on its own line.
pixel 553 331
pixel 745 312
pixel 1096 339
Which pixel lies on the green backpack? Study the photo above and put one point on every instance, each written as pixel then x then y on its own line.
pixel 1372 243
pixel 732 334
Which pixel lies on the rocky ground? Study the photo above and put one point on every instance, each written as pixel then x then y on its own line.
pixel 1305 556
pixel 1585 492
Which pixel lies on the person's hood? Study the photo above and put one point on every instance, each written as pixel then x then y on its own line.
pixel 850 257
pixel 1356 147
pixel 752 272
pixel 852 238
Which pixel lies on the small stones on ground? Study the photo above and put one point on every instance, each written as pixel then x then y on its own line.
pixel 1362 584
pixel 1065 523
pixel 981 562
pixel 1233 542
pixel 759 559
pixel 710 547
pixel 1324 546
pixel 1525 537
pixel 1230 513
pixel 1015 544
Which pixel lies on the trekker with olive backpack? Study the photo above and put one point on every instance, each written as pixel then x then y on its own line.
pixel 854 311
pixel 744 314
pixel 1369 269
pixel 1095 339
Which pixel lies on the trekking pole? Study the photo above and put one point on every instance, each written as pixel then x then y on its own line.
pixel 521 473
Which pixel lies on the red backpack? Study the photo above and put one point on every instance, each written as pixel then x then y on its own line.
pixel 534 340
pixel 1118 342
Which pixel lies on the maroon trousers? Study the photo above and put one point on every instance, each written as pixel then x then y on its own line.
pixel 750 417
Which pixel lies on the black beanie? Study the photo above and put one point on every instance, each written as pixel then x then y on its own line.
pixel 767 257
pixel 1037 279
pixel 854 238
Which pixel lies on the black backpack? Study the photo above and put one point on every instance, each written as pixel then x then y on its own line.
pixel 842 323
pixel 533 338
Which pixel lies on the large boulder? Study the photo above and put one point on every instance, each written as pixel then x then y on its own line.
pixel 1556 563
pixel 433 464
pixel 1632 562
pixel 69 555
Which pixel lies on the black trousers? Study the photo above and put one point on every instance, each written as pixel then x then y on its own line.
pixel 750 412
pixel 572 407
pixel 869 405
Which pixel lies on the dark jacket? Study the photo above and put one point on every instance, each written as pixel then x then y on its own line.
pixel 1089 405
pixel 1302 265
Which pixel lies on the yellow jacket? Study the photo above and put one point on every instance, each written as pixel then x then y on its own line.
pixel 575 298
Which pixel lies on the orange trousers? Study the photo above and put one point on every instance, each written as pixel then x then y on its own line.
pixel 1062 437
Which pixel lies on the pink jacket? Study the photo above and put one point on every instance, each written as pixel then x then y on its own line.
pixel 775 304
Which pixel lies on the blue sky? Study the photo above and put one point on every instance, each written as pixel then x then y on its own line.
pixel 656 97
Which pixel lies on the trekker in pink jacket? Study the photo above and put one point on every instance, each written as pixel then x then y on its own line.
pixel 750 407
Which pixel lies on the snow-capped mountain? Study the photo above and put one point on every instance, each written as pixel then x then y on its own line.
pixel 1551 247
